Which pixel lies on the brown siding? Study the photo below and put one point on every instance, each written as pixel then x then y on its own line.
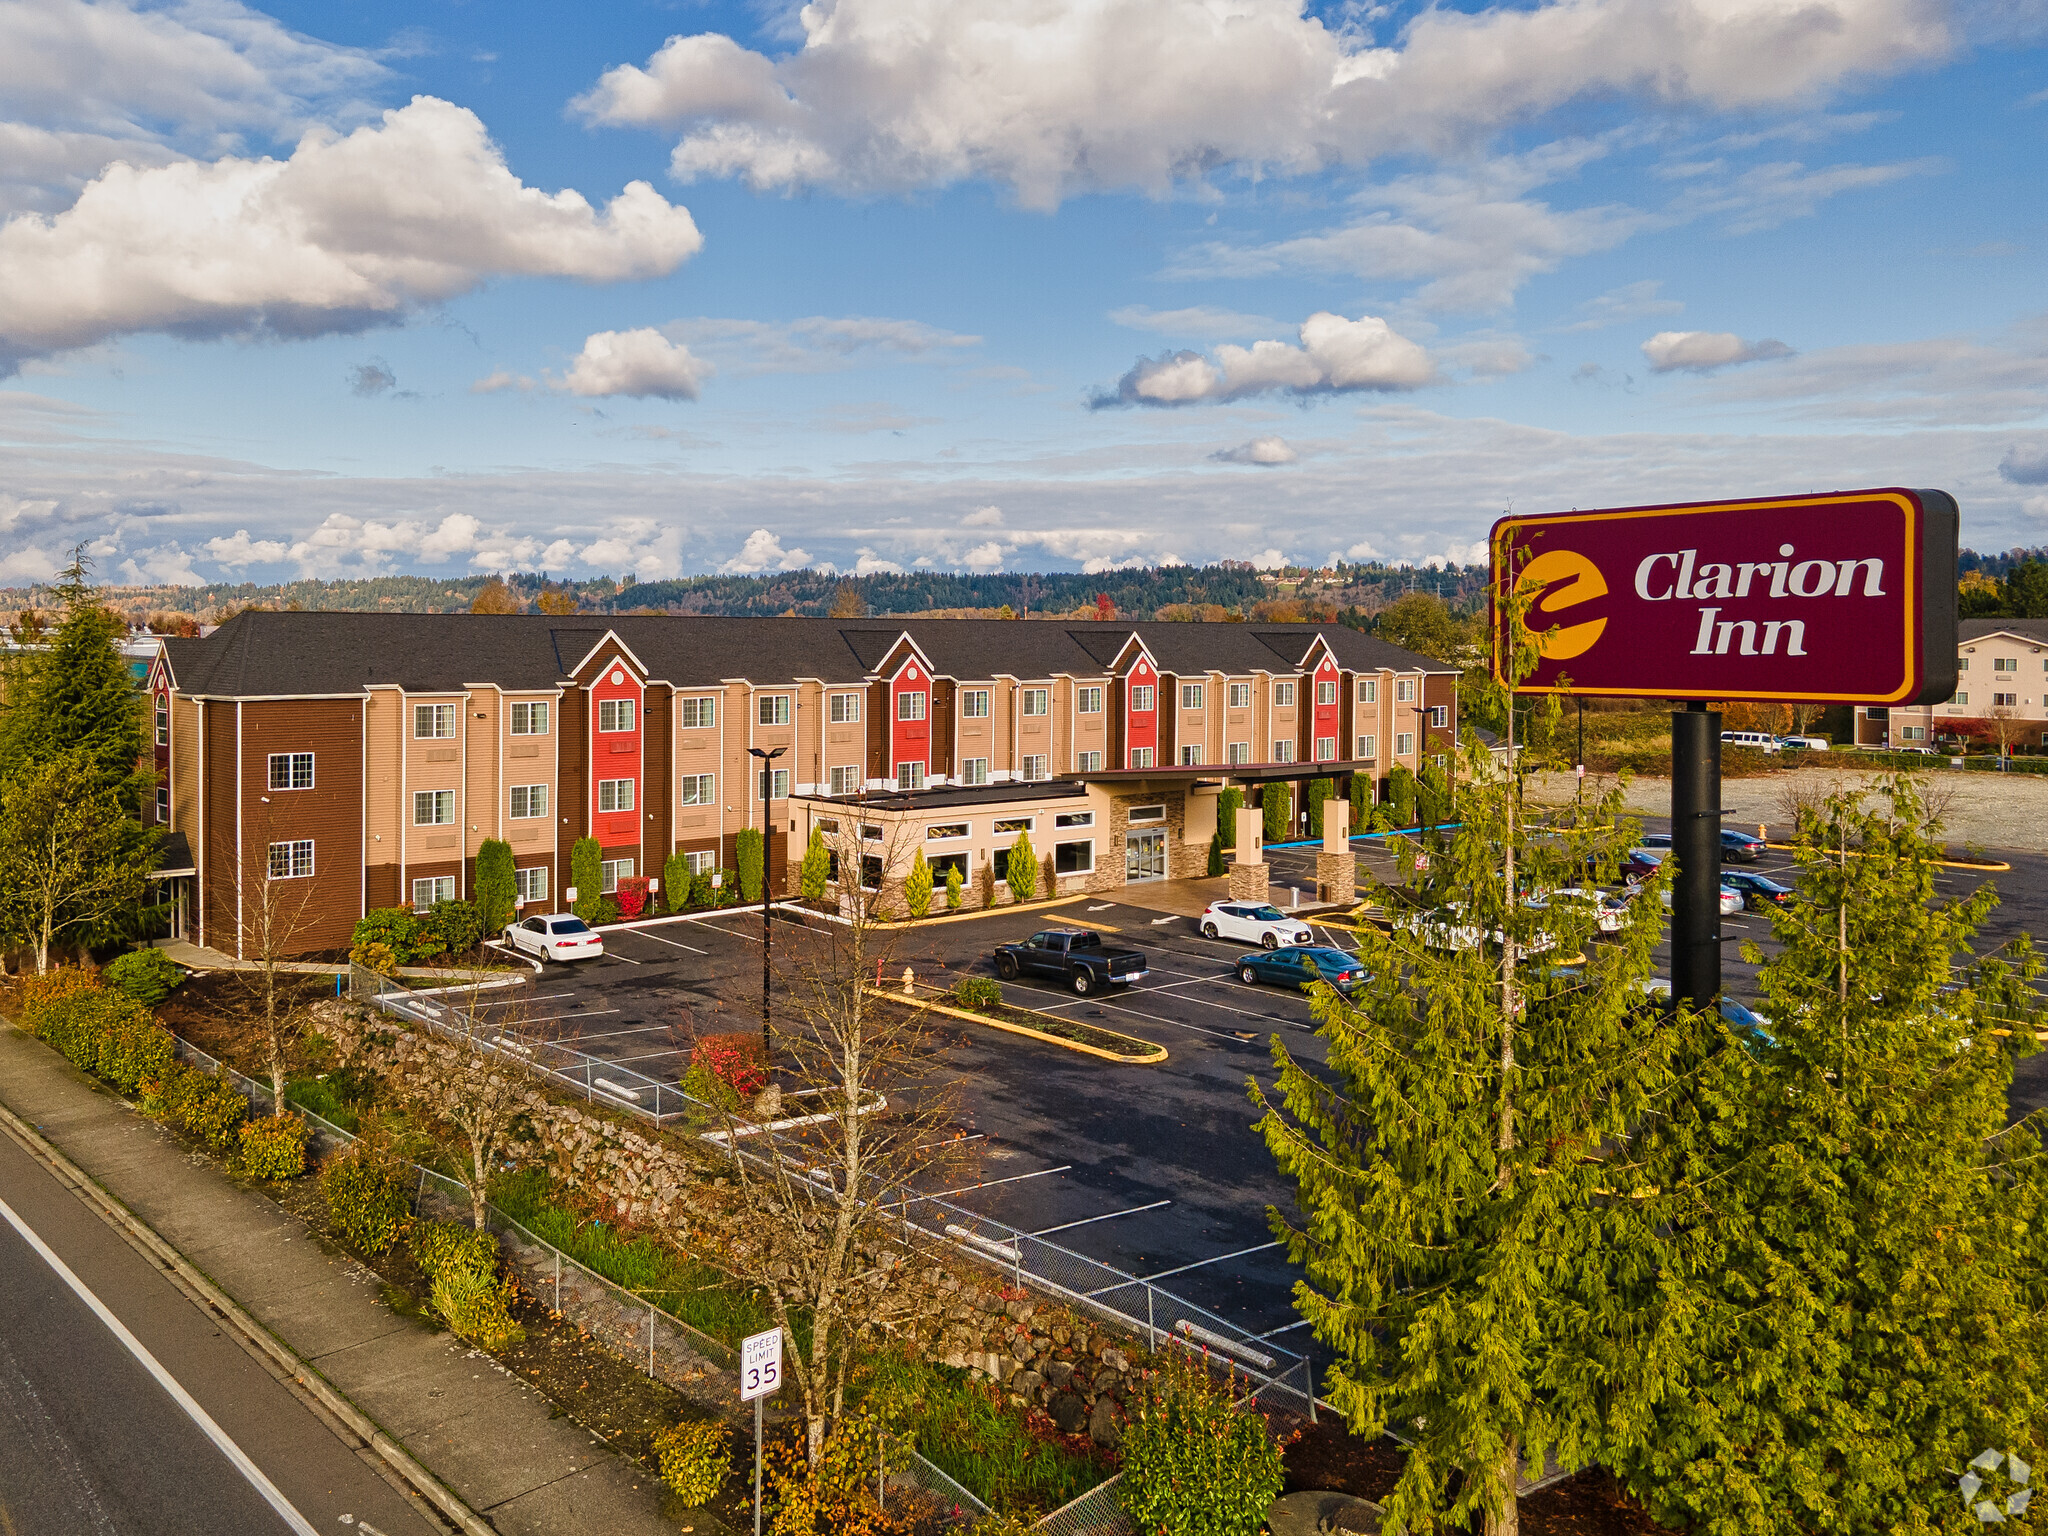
pixel 945 707
pixel 878 730
pixel 1169 720
pixel 217 858
pixel 330 813
pixel 572 808
pixel 185 769
pixel 658 775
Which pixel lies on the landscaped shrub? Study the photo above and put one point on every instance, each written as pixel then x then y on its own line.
pixel 463 1265
pixel 394 931
pixel 977 992
pixel 837 1496
pixel 608 911
pixel 204 1104
pixel 817 867
pixel 1401 796
pixel 1319 792
pixel 98 1031
pixel 366 1199
pixel 632 896
pixel 497 885
pixel 728 893
pixel 450 928
pixel 1228 804
pixel 736 1060
pixel 40 991
pixel 1194 1465
pixel 1276 805
pixel 133 1048
pixel 586 874
pixel 708 1088
pixel 676 882
pixel 917 888
pixel 747 852
pixel 955 888
pixel 703 889
pixel 1433 796
pixel 1020 873
pixel 1215 864
pixel 147 975
pixel 274 1147
pixel 694 1458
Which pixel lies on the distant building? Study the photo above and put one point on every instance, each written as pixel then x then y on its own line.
pixel 2001 676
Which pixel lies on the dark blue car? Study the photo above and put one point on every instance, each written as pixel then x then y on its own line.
pixel 1300 967
pixel 1758 891
pixel 1743 847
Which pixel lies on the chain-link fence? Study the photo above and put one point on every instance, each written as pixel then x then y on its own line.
pixel 1096 1513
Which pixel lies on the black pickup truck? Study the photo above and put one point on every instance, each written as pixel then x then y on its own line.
pixel 1072 955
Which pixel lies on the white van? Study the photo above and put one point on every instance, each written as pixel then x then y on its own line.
pixel 1760 740
pixel 1809 743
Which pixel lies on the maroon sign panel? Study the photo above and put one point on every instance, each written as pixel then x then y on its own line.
pixel 1842 598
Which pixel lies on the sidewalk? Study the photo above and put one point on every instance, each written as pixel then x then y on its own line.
pixel 486 1435
pixel 193 958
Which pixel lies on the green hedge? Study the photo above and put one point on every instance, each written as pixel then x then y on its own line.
pixel 146 975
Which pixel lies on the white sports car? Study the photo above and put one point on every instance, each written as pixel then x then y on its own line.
pixel 1258 921
pixel 557 936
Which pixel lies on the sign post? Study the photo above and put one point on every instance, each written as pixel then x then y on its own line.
pixel 1845 599
pixel 760 1379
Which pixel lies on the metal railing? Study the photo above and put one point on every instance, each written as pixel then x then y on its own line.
pixel 1098 1512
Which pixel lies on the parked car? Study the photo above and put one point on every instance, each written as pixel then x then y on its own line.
pixel 555 936
pixel 1259 921
pixel 1444 928
pixel 1751 1028
pixel 1071 955
pixel 1759 740
pixel 1742 847
pixel 1758 891
pixel 1609 910
pixel 1642 863
pixel 1731 900
pixel 1297 967
pixel 1807 743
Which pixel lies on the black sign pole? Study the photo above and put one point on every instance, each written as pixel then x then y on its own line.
pixel 1696 844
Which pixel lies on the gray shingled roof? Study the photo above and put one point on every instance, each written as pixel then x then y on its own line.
pixel 261 654
pixel 1977 629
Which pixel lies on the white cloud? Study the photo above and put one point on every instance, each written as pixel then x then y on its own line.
pixel 813 343
pixel 1766 196
pixel 641 363
pixel 1336 355
pixel 2025 466
pixel 983 517
pixel 1204 322
pixel 1632 301
pixel 492 384
pixel 1952 381
pixel 1071 95
pixel 349 232
pixel 763 551
pixel 167 565
pixel 868 563
pixel 1268 451
pixel 1362 550
pixel 1268 560
pixel 1704 351
pixel 237 551
pixel 1487 357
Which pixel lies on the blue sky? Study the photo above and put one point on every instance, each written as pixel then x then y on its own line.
pixel 671 288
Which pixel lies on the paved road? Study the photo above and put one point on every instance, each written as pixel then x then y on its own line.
pixel 93 1444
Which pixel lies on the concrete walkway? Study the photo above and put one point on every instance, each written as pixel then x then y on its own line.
pixel 194 958
pixel 485 1434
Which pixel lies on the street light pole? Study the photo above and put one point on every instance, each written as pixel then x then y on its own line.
pixel 767 757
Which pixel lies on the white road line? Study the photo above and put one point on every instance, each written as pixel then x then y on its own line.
pixel 1015 1178
pixel 199 1416
pixel 613 955
pixel 1196 1029
pixel 614 1034
pixel 507 1002
pixel 640 933
pixel 1105 1216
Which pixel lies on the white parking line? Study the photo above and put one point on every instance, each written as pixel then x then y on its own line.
pixel 507 1002
pixel 1105 1216
pixel 643 934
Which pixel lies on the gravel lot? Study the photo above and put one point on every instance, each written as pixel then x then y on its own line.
pixel 1988 810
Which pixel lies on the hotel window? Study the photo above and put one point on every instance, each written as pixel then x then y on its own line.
pixel 1037 701
pixel 615 714
pixel 291 770
pixel 1960 698
pixel 1034 766
pixel 1368 690
pixel 163 721
pixel 1440 716
pixel 974 704
pixel 845 781
pixel 704 861
pixel 1190 757
pixel 2005 663
pixel 1404 690
pixel 774 782
pixel 1140 814
pixel 611 872
pixel 530 720
pixel 845 708
pixel 1141 757
pixel 1283 752
pixel 1088 762
pixel 870 832
pixel 436 888
pixel 1010 826
pixel 1238 752
pixel 773 709
pixel 531 884
pixel 1404 744
pixel 1076 858
pixel 697 789
pixel 1368 748
pixel 910 775
pixel 1326 693
pixel 1962 663
pixel 291 861
pixel 1141 699
pixel 163 803
pixel 528 801
pixel 1283 695
pixel 1088 701
pixel 1913 733
pixel 1240 695
pixel 1074 819
pixel 1326 749
pixel 2004 700
pixel 974 770
pixel 941 831
pixel 700 714
pixel 614 795
pixel 433 722
pixel 433 807
pixel 909 706
pixel 1190 695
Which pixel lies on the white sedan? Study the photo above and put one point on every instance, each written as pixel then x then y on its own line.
pixel 557 936
pixel 1731 899
pixel 1445 927
pixel 1609 911
pixel 1258 921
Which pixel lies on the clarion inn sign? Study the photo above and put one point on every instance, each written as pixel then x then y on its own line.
pixel 1848 597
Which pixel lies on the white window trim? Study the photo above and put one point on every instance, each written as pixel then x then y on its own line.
pixel 704 786
pixel 434 798
pixel 772 704
pixel 1088 700
pixel 615 808
pixel 291 847
pixel 529 814
pixel 1073 842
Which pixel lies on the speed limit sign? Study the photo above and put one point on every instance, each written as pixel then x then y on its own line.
pixel 760 1365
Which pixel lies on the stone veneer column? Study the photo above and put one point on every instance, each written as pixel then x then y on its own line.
pixel 1248 875
pixel 1336 868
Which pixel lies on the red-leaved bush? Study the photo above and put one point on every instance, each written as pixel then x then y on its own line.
pixel 632 896
pixel 735 1060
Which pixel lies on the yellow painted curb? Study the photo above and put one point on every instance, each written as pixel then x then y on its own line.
pixel 1033 1034
pixel 1015 906
pixel 1937 863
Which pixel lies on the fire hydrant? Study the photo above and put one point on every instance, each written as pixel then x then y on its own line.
pixel 909 982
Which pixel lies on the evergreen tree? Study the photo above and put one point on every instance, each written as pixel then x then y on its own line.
pixel 1215 865
pixel 586 873
pixel 1432 796
pixel 1857 1245
pixel 748 848
pixel 955 888
pixel 917 889
pixel 73 865
pixel 817 867
pixel 1319 791
pixel 1228 804
pixel 1276 802
pixel 1401 796
pixel 1021 871
pixel 496 886
pixel 1361 801
pixel 676 881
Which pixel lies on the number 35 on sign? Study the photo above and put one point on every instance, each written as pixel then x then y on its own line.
pixel 760 1365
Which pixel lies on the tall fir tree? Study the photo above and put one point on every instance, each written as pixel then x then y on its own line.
pixel 80 697
pixel 1858 1242
pixel 497 886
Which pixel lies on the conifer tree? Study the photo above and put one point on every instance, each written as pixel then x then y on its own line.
pixel 1857 1244
pixel 1228 804
pixel 586 873
pixel 955 888
pixel 817 867
pixel 747 851
pixel 496 885
pixel 1021 873
pixel 677 881
pixel 1276 803
pixel 1319 791
pixel 917 887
